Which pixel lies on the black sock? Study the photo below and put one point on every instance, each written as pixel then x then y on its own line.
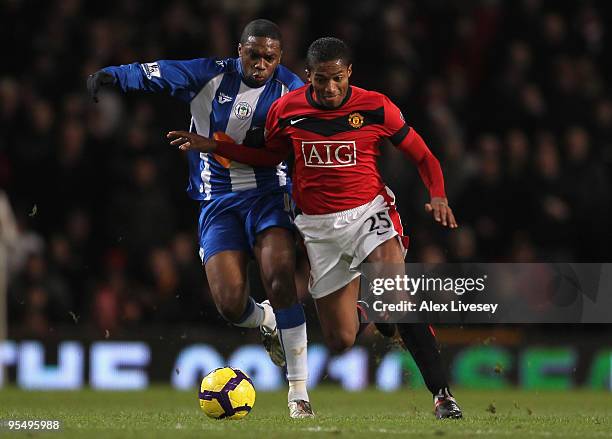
pixel 421 343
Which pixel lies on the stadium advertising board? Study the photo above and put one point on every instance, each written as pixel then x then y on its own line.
pixel 135 365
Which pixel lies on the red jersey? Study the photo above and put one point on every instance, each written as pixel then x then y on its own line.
pixel 336 149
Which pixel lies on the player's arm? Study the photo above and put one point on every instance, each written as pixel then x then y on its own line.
pixel 407 140
pixel 277 146
pixel 431 173
pixel 187 141
pixel 182 79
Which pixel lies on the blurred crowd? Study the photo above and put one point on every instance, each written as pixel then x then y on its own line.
pixel 514 97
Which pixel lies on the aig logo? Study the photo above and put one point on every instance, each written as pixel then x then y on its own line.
pixel 329 154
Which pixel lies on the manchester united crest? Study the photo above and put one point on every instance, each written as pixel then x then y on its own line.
pixel 355 120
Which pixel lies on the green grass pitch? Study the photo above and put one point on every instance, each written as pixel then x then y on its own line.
pixel 162 412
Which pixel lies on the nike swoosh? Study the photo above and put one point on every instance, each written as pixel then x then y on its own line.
pixel 294 121
pixel 382 233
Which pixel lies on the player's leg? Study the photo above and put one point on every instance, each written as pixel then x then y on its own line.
pixel 226 274
pixel 302 270
pixel 224 250
pixel 418 337
pixel 275 253
pixel 274 249
pixel 329 242
pixel 339 321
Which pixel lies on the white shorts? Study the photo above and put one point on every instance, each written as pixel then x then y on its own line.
pixel 337 243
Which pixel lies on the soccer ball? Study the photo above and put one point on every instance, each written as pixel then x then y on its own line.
pixel 227 393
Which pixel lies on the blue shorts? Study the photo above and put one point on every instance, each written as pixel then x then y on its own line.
pixel 233 221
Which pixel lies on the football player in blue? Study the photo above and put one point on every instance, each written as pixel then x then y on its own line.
pixel 244 210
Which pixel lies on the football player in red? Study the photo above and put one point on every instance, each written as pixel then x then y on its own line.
pixel 348 216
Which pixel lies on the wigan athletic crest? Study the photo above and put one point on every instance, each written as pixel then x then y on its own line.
pixel 243 110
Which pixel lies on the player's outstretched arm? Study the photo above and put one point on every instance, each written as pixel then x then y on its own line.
pixel 181 79
pixel 187 141
pixel 431 174
pixel 407 140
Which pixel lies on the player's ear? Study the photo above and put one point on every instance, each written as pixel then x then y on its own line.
pixel 307 74
pixel 349 70
pixel 239 49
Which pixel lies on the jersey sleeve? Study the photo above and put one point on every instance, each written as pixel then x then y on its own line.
pixel 295 83
pixel 407 140
pixel 395 127
pixel 288 78
pixel 414 147
pixel 276 149
pixel 181 79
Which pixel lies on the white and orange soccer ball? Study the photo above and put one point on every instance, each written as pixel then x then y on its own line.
pixel 226 393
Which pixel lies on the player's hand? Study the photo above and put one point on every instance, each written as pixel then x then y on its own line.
pixel 98 80
pixel 187 141
pixel 442 212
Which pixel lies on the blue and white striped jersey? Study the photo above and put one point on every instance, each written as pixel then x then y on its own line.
pixel 219 101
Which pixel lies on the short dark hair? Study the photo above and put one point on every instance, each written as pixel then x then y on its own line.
pixel 261 28
pixel 328 49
